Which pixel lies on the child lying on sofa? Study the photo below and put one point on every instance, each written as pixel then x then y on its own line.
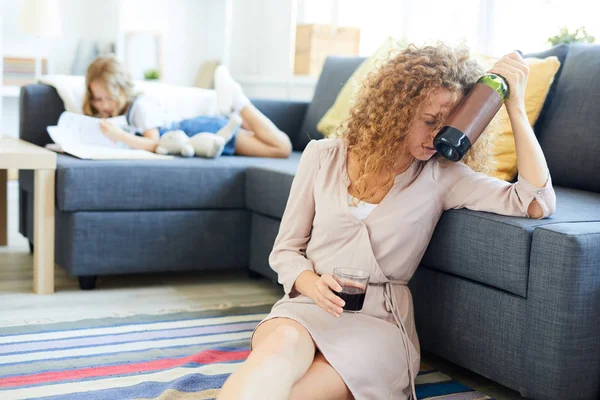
pixel 109 93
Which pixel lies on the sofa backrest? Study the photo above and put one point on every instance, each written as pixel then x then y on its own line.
pixel 335 74
pixel 39 107
pixel 570 132
pixel 559 51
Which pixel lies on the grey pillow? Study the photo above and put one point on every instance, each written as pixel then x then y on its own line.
pixel 560 51
pixel 335 74
pixel 570 136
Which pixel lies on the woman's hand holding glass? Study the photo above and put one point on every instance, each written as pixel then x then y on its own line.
pixel 322 294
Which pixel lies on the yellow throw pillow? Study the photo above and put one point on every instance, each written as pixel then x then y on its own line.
pixel 341 107
pixel 541 76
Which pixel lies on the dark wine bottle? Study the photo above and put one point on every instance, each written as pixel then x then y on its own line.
pixel 470 118
pixel 472 115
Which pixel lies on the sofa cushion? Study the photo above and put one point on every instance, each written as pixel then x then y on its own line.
pixel 177 184
pixel 267 189
pixel 474 245
pixel 336 71
pixel 559 51
pixel 570 138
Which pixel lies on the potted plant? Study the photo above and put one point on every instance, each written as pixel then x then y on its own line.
pixel 565 36
pixel 151 75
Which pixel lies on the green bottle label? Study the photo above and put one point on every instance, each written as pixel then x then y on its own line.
pixel 497 83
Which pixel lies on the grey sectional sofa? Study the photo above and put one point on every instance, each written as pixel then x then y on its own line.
pixel 513 299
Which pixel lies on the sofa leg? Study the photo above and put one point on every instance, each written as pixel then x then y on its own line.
pixel 87 282
pixel 254 275
pixel 30 247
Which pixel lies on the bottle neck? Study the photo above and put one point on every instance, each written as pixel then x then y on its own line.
pixel 497 83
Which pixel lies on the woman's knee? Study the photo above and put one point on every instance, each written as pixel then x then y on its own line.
pixel 283 336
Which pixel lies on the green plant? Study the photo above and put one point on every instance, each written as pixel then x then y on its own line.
pixel 151 74
pixel 564 36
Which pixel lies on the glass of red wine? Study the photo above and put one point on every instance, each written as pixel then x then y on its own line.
pixel 354 287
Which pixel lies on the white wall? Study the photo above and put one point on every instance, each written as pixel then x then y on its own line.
pixel 262 37
pixel 97 20
pixel 191 33
pixel 80 19
pixel 262 49
pixel 88 20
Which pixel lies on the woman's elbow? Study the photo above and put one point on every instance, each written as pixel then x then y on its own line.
pixel 536 211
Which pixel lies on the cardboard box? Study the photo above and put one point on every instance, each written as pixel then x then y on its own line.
pixel 314 42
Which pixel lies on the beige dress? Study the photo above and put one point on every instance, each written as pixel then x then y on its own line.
pixel 376 352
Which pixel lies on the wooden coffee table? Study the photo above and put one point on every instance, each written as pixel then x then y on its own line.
pixel 19 154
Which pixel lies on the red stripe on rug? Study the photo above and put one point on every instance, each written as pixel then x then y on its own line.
pixel 205 357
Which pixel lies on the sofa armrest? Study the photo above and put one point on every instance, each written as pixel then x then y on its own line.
pixel 39 106
pixel 286 115
pixel 562 337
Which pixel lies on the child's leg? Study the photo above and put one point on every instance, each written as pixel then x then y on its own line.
pixel 247 144
pixel 265 129
pixel 231 99
pixel 233 125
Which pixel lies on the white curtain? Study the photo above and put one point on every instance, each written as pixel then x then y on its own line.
pixel 491 27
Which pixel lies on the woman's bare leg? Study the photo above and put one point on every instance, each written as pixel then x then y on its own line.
pixel 283 350
pixel 265 130
pixel 321 382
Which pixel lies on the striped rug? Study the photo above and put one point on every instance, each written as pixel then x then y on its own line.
pixel 176 356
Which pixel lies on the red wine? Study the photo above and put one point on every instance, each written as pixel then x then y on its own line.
pixel 353 296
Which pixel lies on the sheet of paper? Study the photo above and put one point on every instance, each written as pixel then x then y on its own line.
pixel 80 136
pixel 105 153
pixel 81 129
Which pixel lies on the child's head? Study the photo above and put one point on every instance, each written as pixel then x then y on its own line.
pixel 108 88
pixel 403 105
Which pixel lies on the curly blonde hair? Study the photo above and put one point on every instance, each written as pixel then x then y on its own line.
pixel 380 119
pixel 115 78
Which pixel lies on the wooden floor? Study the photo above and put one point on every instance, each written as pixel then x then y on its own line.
pixel 147 294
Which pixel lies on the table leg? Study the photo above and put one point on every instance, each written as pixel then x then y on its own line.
pixel 3 208
pixel 43 232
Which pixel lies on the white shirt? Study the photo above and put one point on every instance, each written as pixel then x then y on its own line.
pixel 144 114
pixel 361 210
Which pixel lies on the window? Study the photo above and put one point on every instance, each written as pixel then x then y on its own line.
pixel 492 27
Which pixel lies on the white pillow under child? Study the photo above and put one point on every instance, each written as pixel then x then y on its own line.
pixel 178 101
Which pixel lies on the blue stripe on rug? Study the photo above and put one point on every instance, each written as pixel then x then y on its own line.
pixel 193 383
pixel 441 388
pixel 190 383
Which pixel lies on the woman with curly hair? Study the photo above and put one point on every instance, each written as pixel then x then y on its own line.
pixel 370 200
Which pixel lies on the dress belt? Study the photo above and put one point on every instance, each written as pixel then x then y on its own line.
pixel 392 306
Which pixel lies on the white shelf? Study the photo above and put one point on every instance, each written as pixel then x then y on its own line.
pixel 10 91
pixel 297 80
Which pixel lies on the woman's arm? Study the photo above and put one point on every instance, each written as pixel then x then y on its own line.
pixel 288 257
pixel 294 270
pixel 148 142
pixel 532 195
pixel 530 158
pixel 465 188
